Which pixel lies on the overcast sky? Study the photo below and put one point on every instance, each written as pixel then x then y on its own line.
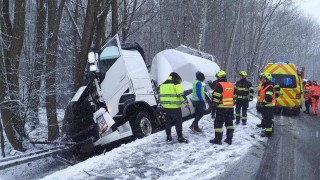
pixel 312 8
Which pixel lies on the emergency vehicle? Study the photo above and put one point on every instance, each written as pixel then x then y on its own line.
pixel 287 76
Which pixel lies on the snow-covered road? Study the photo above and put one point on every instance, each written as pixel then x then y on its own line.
pixel 153 158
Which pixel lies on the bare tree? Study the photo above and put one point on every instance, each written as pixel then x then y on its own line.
pixel 115 20
pixel 54 18
pixel 203 23
pixel 13 36
pixel 233 34
pixel 81 60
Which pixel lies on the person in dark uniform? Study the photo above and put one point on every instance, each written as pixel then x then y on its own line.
pixel 223 101
pixel 212 85
pixel 243 94
pixel 267 101
pixel 171 98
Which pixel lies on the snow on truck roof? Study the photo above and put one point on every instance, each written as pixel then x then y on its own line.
pixel 184 64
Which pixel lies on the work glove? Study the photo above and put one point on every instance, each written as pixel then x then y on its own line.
pixel 250 99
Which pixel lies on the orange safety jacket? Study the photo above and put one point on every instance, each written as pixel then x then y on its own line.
pixel 263 96
pixel 227 100
pixel 315 91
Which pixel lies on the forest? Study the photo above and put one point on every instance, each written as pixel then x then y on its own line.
pixel 44 45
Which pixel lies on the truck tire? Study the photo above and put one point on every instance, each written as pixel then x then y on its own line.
pixel 208 106
pixel 142 125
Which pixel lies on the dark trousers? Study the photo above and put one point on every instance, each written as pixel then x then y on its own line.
pixel 199 112
pixel 242 104
pixel 224 116
pixel 267 116
pixel 173 117
pixel 307 103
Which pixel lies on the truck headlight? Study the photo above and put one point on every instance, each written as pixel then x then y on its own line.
pixel 103 126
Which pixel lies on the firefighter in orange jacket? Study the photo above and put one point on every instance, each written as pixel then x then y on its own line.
pixel 315 93
pixel 307 96
pixel 223 101
pixel 267 100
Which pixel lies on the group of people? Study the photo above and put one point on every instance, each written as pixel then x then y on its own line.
pixel 311 96
pixel 225 96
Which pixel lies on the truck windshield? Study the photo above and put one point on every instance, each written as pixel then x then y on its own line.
pixel 284 80
pixel 108 56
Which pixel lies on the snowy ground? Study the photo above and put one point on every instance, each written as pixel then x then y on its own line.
pixel 153 158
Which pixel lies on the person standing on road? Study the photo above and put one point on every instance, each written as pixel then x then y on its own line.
pixel 223 101
pixel 267 101
pixel 171 98
pixel 307 96
pixel 243 94
pixel 198 100
pixel 315 94
pixel 213 85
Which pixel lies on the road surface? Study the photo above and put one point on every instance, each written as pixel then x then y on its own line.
pixel 292 153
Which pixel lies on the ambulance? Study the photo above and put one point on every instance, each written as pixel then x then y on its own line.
pixel 287 76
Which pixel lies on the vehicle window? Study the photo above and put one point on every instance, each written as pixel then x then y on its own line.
pixel 108 56
pixel 284 80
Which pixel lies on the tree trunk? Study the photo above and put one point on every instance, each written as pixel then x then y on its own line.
pixel 54 19
pixel 81 60
pixel 38 61
pixel 233 34
pixel 115 23
pixel 203 23
pixel 2 140
pixel 12 122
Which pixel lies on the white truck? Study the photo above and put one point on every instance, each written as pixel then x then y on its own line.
pixel 120 99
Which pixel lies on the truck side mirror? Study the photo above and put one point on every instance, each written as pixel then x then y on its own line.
pixel 93 68
pixel 91 57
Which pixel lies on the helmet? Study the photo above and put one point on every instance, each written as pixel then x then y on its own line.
pixel 261 75
pixel 221 74
pixel 243 74
pixel 267 76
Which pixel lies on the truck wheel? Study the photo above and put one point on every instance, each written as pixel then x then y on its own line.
pixel 208 106
pixel 142 125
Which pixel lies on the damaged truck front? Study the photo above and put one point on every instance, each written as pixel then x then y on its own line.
pixel 120 99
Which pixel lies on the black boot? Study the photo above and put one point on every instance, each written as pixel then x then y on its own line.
pixel 217 139
pixel 182 140
pixel 169 138
pixel 229 136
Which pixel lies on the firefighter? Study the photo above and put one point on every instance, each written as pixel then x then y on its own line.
pixel 223 101
pixel 315 93
pixel 243 94
pixel 213 85
pixel 307 96
pixel 276 90
pixel 198 100
pixel 171 98
pixel 267 101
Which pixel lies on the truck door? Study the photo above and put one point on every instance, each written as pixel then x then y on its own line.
pixel 115 79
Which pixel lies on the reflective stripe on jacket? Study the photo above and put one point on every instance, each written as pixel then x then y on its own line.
pixel 171 94
pixel 264 92
pixel 224 99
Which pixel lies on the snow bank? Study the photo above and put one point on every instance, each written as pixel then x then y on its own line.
pixel 153 158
